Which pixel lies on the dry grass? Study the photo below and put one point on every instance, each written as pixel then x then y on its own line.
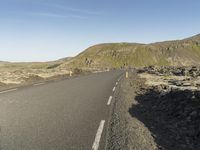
pixel 18 73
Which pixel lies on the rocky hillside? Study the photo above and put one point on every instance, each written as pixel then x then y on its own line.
pixel 184 52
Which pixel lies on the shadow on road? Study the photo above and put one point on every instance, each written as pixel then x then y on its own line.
pixel 172 118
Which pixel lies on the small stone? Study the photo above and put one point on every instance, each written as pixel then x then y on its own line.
pixel 188 119
pixel 194 113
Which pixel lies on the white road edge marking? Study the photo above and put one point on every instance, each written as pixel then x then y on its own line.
pixel 38 84
pixel 119 79
pixel 7 91
pixel 98 136
pixel 114 89
pixel 109 100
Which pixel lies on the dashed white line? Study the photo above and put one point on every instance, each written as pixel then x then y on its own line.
pixel 114 89
pixel 98 136
pixel 8 91
pixel 116 83
pixel 38 84
pixel 119 78
pixel 109 100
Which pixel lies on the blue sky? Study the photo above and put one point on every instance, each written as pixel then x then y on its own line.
pixel 42 30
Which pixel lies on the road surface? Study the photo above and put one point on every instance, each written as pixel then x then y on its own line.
pixel 63 115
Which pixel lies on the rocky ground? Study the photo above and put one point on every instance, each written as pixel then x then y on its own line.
pixel 157 108
pixel 171 110
pixel 181 78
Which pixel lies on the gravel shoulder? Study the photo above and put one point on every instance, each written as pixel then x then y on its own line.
pixel 127 132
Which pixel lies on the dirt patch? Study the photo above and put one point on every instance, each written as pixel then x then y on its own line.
pixel 127 132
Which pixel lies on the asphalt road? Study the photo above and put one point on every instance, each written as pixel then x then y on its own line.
pixel 61 115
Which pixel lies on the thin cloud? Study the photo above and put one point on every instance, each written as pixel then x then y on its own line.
pixel 53 15
pixel 82 11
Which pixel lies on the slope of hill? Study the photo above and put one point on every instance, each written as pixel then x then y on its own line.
pixel 184 52
pixel 65 59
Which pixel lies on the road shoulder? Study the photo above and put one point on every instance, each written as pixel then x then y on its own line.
pixel 125 131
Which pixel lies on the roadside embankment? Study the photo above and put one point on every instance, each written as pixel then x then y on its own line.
pixel 171 109
pixel 157 109
pixel 127 132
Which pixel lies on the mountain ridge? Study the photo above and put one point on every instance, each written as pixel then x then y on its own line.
pixel 185 52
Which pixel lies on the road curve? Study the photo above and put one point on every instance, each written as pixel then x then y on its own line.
pixel 62 115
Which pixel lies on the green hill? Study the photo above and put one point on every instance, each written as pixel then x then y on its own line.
pixel 184 52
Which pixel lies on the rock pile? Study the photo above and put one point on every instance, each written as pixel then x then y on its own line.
pixel 193 71
pixel 182 78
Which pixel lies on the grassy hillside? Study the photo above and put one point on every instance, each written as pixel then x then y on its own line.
pixel 115 55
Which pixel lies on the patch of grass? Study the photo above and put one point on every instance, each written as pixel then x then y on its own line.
pixel 53 66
